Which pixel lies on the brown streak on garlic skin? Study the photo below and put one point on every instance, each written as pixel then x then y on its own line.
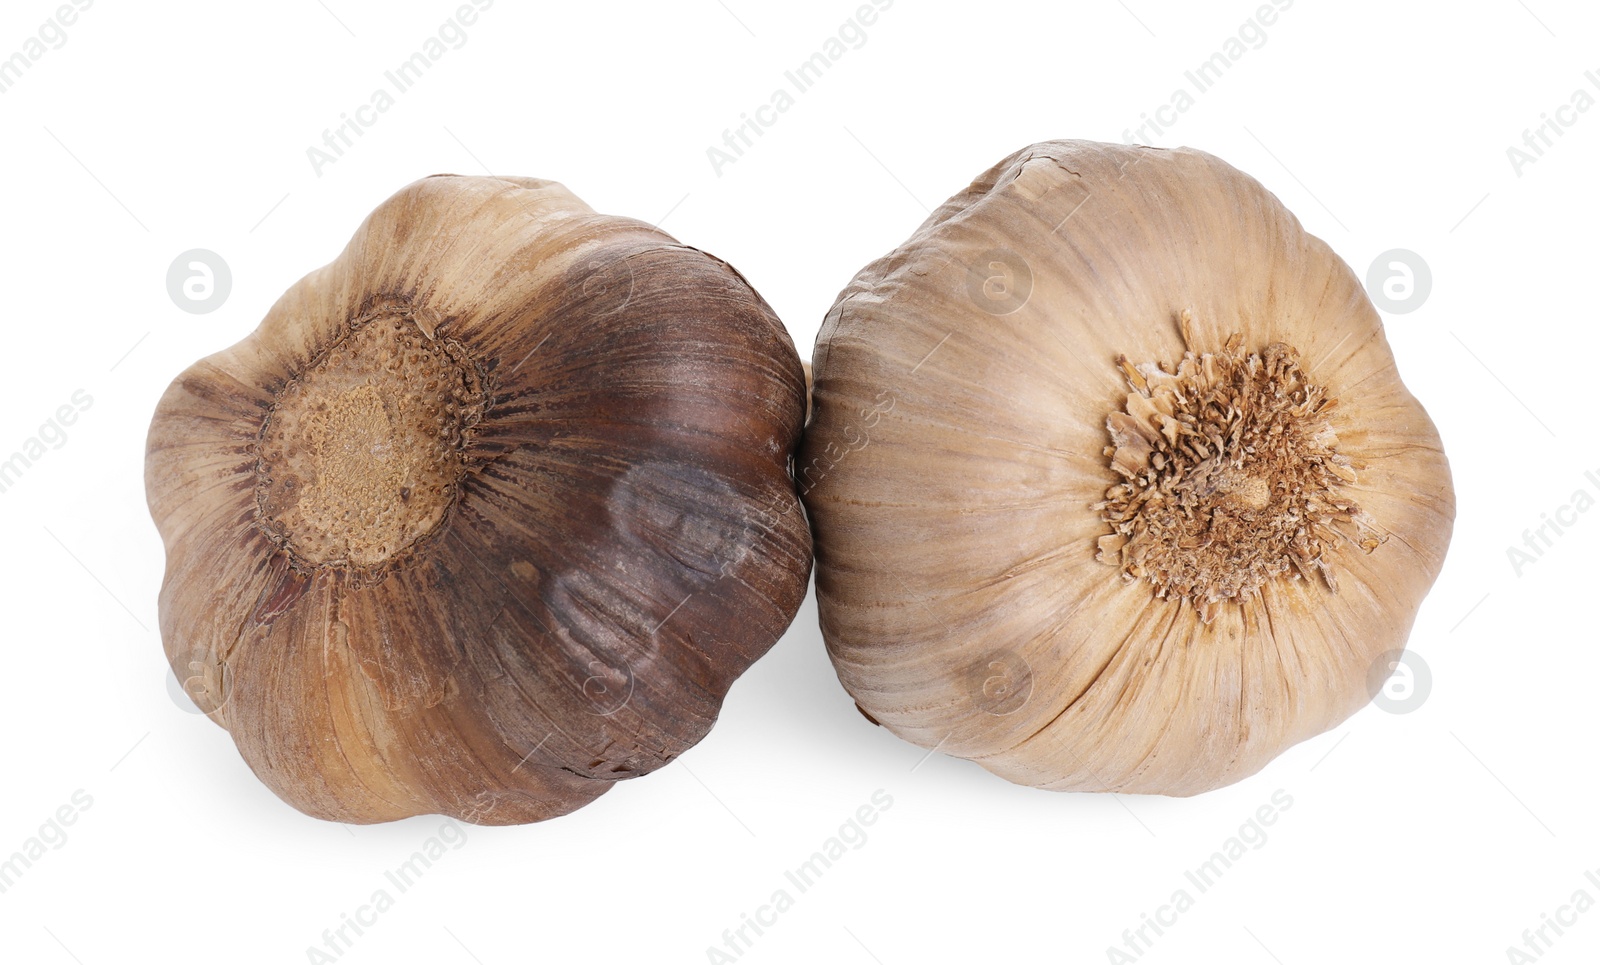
pixel 487 515
pixel 1232 476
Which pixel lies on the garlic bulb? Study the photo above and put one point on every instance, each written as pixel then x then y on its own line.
pixel 488 514
pixel 1114 484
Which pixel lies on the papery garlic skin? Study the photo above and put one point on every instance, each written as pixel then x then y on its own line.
pixel 487 515
pixel 957 464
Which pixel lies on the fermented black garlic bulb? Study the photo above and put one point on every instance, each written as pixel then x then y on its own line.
pixel 487 515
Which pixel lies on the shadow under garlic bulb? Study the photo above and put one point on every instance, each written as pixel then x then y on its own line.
pixel 487 515
pixel 1113 481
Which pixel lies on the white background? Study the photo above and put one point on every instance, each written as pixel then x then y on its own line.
pixel 1438 835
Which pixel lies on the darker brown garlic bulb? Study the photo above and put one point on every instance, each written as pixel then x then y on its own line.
pixel 487 515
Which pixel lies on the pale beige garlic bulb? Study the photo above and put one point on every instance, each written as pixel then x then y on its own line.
pixel 1114 484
